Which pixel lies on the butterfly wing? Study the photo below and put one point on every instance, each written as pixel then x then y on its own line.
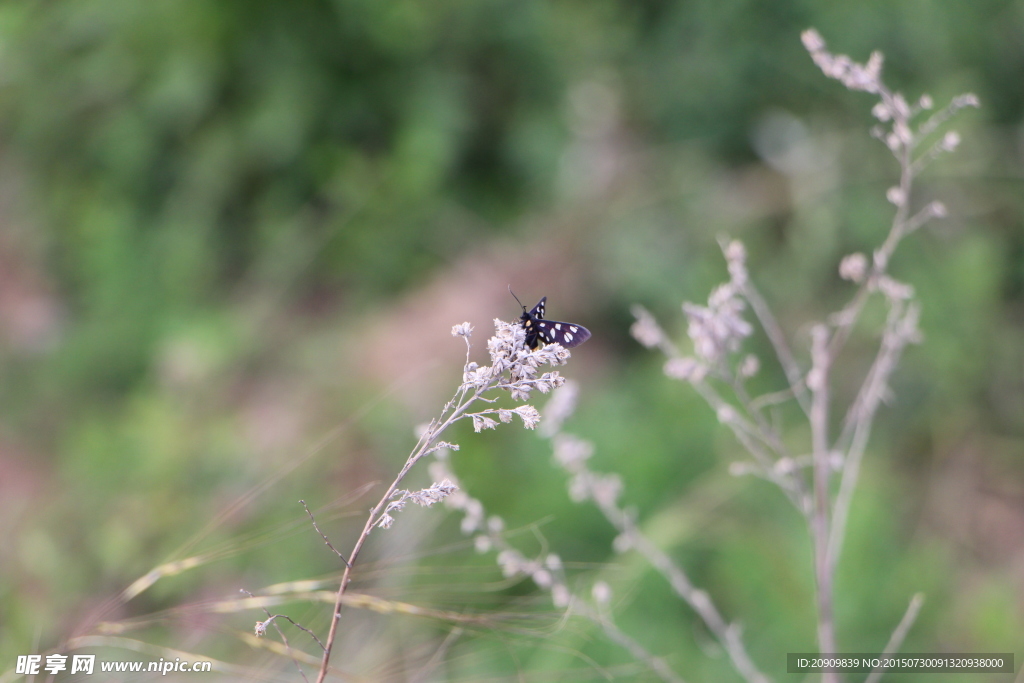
pixel 556 332
pixel 538 310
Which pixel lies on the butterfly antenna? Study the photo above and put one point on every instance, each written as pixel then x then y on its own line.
pixel 515 297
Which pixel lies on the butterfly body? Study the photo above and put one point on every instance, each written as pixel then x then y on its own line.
pixel 538 329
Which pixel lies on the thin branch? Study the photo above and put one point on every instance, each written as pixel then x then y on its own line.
pixel 745 433
pixel 819 520
pixel 515 564
pixel 425 440
pixel 312 519
pixel 944 114
pixel 438 655
pixel 778 339
pixel 896 640
pixel 729 635
pixel 900 330
pixel 767 431
pixel 777 397
pixel 634 648
pixel 849 315
pixel 284 639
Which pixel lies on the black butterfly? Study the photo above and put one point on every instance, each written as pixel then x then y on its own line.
pixel 549 331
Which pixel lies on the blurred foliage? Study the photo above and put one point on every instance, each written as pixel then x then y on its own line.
pixel 208 205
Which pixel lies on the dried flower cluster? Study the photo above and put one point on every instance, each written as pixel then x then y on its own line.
pixel 717 329
pixel 510 354
pixel 546 572
pixel 866 77
pixel 572 455
pixel 514 368
pixel 437 492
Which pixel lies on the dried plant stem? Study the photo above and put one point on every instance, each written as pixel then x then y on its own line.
pixel 754 441
pixel 726 634
pixel 778 339
pixel 616 635
pixel 898 333
pixel 828 534
pixel 428 438
pixel 547 572
pixel 820 512
pixel 438 655
pixel 322 535
pixel 284 638
pixel 899 634
pixel 850 314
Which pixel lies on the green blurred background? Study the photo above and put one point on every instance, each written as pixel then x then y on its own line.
pixel 235 236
